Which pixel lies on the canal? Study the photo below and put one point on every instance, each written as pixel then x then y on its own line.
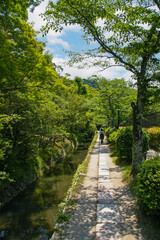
pixel 33 213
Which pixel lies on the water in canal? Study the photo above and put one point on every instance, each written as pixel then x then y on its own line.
pixel 33 213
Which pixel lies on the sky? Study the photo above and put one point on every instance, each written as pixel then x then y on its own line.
pixel 70 39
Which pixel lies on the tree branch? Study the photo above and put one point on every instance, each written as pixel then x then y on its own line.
pixel 104 68
pixel 97 37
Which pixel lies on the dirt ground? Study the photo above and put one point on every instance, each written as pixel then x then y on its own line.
pixel 82 223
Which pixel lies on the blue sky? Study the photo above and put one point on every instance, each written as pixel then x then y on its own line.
pixel 71 39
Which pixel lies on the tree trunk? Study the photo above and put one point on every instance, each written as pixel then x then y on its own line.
pixel 137 145
pixel 118 120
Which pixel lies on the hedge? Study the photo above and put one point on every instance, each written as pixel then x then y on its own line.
pixel 124 143
pixel 154 138
pixel 148 186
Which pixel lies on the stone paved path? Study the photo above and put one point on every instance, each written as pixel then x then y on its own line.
pixel 104 208
pixel 116 218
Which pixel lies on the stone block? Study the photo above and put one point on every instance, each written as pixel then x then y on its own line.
pixel 104 186
pixel 107 231
pixel 103 172
pixel 104 179
pixel 105 197
pixel 107 213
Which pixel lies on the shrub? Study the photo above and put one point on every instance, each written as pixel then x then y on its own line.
pixel 148 186
pixel 124 143
pixel 109 131
pixel 154 136
pixel 113 137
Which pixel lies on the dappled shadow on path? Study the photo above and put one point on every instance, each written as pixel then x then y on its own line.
pixel 128 214
pixel 133 221
pixel 127 227
pixel 83 218
pixel 104 150
pixel 134 224
pixel 95 151
pixel 116 169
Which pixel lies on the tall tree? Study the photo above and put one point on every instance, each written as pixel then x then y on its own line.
pixel 133 42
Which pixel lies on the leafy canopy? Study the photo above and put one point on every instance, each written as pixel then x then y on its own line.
pixel 115 97
pixel 126 31
pixel 39 112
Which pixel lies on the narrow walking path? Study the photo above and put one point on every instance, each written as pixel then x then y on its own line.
pixel 104 206
pixel 116 216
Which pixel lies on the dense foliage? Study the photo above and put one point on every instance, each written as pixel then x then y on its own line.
pixel 124 143
pixel 108 132
pixel 154 138
pixel 148 186
pixel 41 114
pixel 115 97
pixel 121 139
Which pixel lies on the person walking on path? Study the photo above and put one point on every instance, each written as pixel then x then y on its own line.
pixel 101 135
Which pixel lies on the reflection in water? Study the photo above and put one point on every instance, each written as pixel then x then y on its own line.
pixel 33 213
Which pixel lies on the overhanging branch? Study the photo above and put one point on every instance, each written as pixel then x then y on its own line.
pixel 97 37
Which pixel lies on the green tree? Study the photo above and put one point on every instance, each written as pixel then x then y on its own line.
pixel 133 43
pixel 115 101
pixel 26 82
pixel 75 110
pixel 81 88
pixel 40 113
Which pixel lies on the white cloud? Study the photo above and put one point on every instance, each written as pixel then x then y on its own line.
pixel 34 17
pixel 59 41
pixel 52 38
pixel 52 33
pixel 110 73
pixel 75 28
pixel 39 22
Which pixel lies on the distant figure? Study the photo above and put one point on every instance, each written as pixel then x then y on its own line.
pixel 101 135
